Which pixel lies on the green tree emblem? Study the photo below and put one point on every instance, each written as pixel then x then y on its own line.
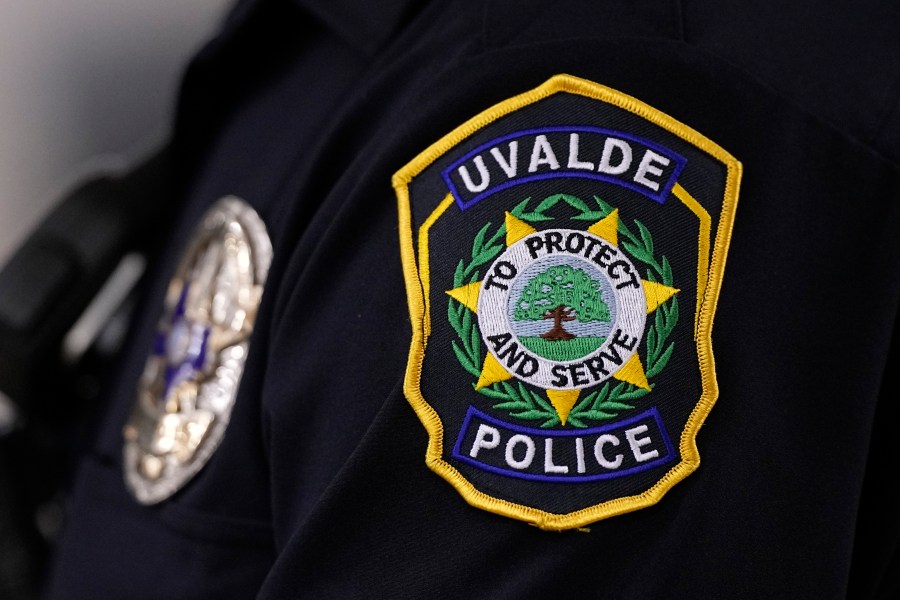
pixel 562 293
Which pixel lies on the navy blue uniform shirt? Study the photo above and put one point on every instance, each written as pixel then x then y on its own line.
pixel 319 489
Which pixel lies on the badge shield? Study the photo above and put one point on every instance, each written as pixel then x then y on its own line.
pixel 563 254
pixel 190 380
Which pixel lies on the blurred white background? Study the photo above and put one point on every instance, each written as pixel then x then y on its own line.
pixel 83 84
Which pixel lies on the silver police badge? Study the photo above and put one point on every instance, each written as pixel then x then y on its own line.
pixel 191 378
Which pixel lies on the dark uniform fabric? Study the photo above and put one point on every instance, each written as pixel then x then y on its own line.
pixel 319 489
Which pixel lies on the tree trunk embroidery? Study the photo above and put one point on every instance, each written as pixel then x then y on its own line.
pixel 559 315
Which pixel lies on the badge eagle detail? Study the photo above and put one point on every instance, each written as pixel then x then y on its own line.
pixel 563 253
pixel 191 377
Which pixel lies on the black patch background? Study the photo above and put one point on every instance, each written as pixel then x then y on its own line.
pixel 448 388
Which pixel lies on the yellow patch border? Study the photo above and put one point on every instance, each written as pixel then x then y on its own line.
pixel 417 284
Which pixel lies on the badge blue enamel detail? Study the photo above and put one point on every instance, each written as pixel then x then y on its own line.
pixel 563 254
pixel 191 377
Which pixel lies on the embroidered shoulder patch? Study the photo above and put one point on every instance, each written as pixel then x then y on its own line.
pixel 191 377
pixel 563 253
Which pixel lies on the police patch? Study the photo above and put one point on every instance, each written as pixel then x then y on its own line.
pixel 191 377
pixel 563 253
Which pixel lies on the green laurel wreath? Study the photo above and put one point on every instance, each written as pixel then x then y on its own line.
pixel 521 402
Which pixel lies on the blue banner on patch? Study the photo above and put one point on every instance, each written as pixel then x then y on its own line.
pixel 552 152
pixel 615 450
